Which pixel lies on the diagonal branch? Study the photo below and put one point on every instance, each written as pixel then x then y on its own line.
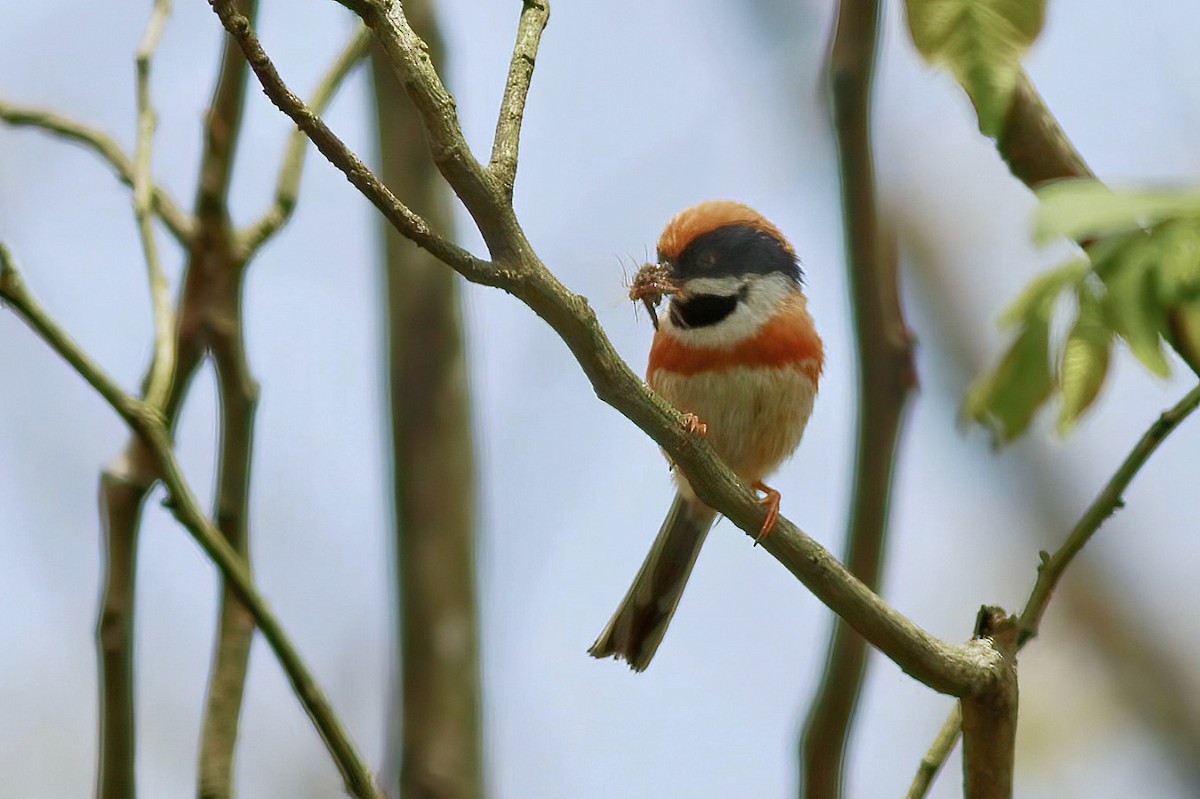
pixel 1032 142
pixel 1106 503
pixel 108 150
pixel 503 165
pixel 287 187
pixel 931 764
pixel 150 425
pixel 960 670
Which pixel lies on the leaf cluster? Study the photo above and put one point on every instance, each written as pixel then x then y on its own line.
pixel 1138 281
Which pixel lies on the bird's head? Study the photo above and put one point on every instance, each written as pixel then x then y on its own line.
pixel 726 269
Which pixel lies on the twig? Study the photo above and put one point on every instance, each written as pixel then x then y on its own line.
pixel 407 222
pixel 288 185
pixel 176 221
pixel 503 165
pixel 887 375
pixel 958 670
pixel 163 365
pixel 1107 502
pixel 148 423
pixel 931 764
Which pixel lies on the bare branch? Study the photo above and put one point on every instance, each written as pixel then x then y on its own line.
pixel 163 365
pixel 407 222
pixel 148 423
pixel 288 186
pixel 109 151
pixel 503 165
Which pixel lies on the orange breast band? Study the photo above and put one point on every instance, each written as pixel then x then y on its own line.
pixel 787 339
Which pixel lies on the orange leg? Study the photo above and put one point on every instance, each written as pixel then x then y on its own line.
pixel 771 500
pixel 694 425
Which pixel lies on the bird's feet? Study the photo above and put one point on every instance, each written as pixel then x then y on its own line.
pixel 771 501
pixel 694 425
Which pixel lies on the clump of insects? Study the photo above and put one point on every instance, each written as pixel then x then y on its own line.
pixel 650 284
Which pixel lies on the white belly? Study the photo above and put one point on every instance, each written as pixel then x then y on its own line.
pixel 755 415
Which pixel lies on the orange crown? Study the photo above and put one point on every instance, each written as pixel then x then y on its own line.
pixel 706 217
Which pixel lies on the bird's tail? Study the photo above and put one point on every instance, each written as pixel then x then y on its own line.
pixel 638 626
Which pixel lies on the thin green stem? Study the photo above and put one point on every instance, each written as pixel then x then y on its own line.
pixel 163 365
pixel 931 764
pixel 1106 503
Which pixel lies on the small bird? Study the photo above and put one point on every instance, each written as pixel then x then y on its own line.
pixel 736 350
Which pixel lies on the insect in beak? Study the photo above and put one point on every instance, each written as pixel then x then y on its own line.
pixel 650 285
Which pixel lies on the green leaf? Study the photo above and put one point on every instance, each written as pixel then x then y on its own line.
pixel 1085 359
pixel 1176 250
pixel 1132 302
pixel 1081 209
pixel 1039 297
pixel 1006 400
pixel 982 42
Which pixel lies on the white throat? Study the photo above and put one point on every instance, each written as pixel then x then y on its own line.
pixel 760 297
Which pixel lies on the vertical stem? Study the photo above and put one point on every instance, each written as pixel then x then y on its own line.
pixel 238 393
pixel 120 504
pixel 989 719
pixel 124 486
pixel 214 263
pixel 438 752
pixel 159 377
pixel 886 376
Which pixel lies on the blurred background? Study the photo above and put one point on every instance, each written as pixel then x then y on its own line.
pixel 634 115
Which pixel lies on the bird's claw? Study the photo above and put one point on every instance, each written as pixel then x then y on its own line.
pixel 694 425
pixel 771 501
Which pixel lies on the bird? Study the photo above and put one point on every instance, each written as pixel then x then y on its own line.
pixel 736 351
